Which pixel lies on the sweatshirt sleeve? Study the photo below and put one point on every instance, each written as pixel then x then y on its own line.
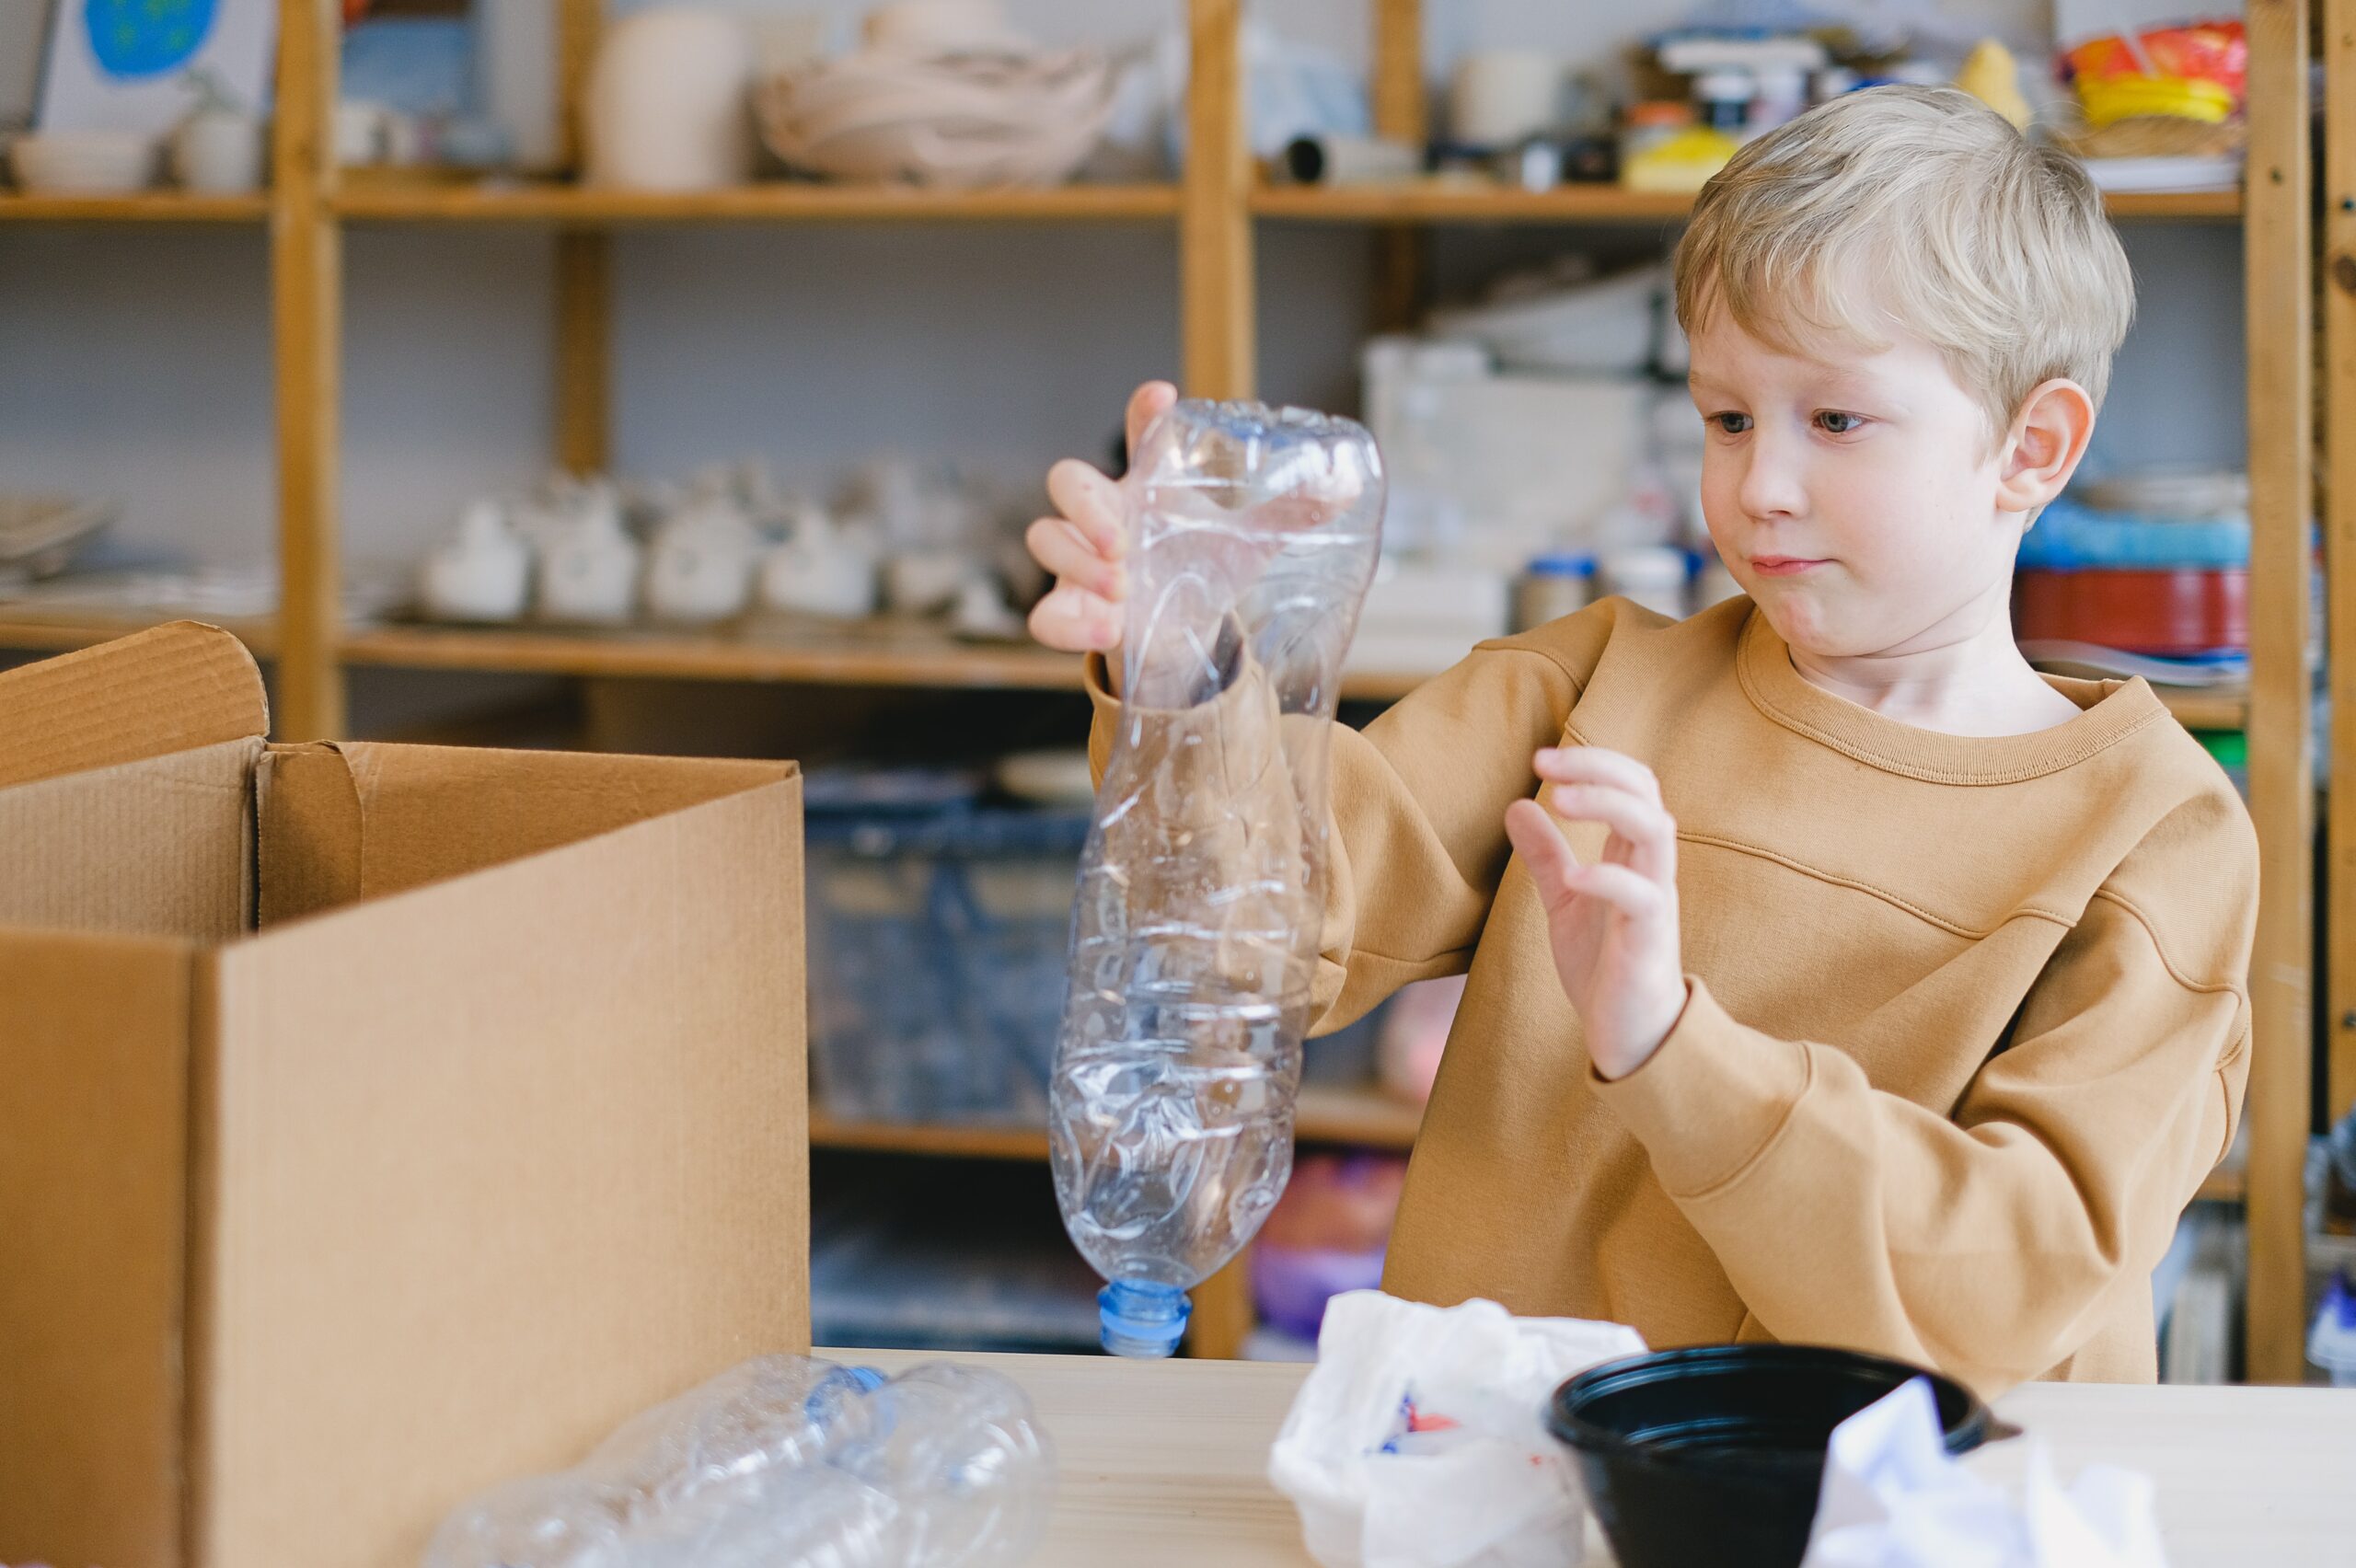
pixel 1416 840
pixel 1981 1242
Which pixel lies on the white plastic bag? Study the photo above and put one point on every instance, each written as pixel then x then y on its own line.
pixel 1419 1440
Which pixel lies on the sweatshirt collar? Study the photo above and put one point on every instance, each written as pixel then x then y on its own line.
pixel 2109 712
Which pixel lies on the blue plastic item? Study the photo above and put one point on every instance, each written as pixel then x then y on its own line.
pixel 2070 534
pixel 937 959
pixel 1566 565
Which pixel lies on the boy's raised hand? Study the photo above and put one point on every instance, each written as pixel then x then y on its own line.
pixel 1613 924
pixel 1082 546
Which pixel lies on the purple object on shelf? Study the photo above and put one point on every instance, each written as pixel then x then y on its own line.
pixel 1291 1286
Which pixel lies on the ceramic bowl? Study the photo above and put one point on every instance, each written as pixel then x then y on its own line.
pixel 84 163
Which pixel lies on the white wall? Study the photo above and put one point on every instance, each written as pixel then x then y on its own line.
pixel 135 362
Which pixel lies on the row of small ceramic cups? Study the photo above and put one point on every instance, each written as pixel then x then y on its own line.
pixel 575 562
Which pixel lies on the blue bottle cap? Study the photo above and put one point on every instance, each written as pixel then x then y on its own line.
pixel 1142 1319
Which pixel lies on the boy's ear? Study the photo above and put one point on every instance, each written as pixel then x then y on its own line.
pixel 2042 449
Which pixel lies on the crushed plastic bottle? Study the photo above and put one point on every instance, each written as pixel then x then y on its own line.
pixel 1254 533
pixel 785 1462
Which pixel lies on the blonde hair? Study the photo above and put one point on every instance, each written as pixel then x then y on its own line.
pixel 1921 210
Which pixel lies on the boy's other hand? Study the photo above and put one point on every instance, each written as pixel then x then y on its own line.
pixel 1083 544
pixel 1613 924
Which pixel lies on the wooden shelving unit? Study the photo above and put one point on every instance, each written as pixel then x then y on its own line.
pixel 1215 210
pixel 778 202
pixel 1474 201
pixel 147 207
pixel 1359 1118
pixel 921 658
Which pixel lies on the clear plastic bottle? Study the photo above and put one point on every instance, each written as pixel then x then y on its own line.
pixel 785 1462
pixel 1253 534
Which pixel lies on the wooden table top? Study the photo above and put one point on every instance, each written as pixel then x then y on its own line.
pixel 1165 1462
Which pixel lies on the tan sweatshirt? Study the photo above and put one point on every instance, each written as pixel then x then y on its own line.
pixel 1968 1023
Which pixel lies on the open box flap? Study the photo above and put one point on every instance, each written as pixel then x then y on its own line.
pixel 161 847
pixel 343 822
pixel 173 688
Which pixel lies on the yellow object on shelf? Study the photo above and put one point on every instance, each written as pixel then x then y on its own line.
pixel 1683 162
pixel 1991 76
pixel 2127 98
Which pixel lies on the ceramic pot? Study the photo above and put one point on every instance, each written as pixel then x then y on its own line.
pixel 702 569
pixel 667 106
pixel 820 571
pixel 482 573
pixel 1501 96
pixel 218 151
pixel 589 571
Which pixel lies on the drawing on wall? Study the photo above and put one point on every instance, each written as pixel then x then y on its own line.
pixel 118 65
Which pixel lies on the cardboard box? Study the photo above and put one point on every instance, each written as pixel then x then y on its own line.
pixel 377 1122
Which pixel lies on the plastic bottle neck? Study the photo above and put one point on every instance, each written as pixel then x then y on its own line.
pixel 1142 1319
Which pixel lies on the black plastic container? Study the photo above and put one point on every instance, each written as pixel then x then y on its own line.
pixel 1715 1455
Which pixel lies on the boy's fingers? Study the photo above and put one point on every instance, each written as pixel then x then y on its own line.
pixel 1092 502
pixel 1539 844
pixel 1076 621
pixel 1649 830
pixel 1634 896
pixel 1596 765
pixel 1145 405
pixel 1058 544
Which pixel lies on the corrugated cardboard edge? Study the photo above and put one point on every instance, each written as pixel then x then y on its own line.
pixel 94 1091
pixel 645 915
pixel 163 846
pixel 309 821
pixel 344 822
pixel 173 688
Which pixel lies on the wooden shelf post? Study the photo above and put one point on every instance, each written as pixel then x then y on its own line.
pixel 584 270
pixel 1401 251
pixel 2279 333
pixel 307 307
pixel 2339 406
pixel 1217 299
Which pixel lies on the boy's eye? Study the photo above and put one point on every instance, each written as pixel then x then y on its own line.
pixel 1730 424
pixel 1834 422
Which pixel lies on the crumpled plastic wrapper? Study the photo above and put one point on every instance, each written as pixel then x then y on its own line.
pixel 1894 1498
pixel 1417 1441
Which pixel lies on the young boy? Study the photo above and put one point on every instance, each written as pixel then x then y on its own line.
pixel 1834 977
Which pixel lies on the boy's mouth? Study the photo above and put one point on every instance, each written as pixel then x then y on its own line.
pixel 1782 566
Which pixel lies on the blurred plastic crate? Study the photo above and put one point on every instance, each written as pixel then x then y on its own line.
pixel 937 944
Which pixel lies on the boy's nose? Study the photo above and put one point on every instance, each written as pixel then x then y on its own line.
pixel 1770 486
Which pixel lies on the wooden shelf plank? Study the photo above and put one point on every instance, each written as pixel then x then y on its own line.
pixel 2207 710
pixel 852 659
pixel 2226 1184
pixel 898 659
pixel 1465 201
pixel 918 658
pixel 1356 1116
pixel 780 202
pixel 145 207
pixel 43 635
